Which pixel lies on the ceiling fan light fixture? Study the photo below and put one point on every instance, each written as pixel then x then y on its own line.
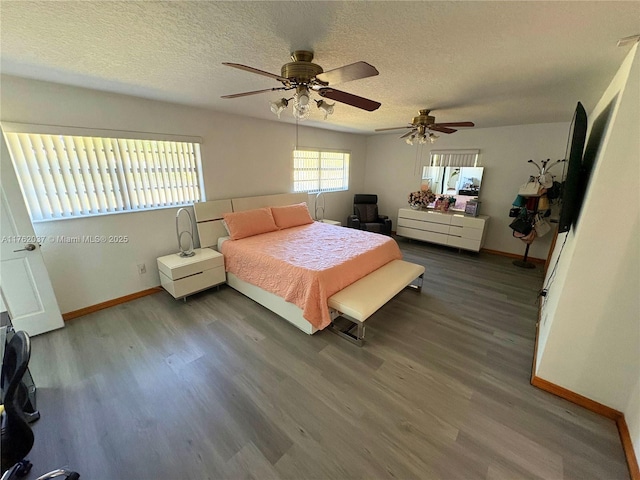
pixel 326 107
pixel 279 106
pixel 432 138
pixel 301 105
pixel 410 139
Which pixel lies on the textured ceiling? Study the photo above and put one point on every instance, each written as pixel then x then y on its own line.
pixel 493 63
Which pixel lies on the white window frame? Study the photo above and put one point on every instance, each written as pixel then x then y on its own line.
pixel 70 172
pixel 315 169
pixel 454 158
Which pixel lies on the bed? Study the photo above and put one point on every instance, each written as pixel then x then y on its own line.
pixel 324 270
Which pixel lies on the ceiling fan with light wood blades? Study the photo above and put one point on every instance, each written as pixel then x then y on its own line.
pixel 423 126
pixel 305 77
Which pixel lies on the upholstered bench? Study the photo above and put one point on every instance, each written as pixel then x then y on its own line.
pixel 363 298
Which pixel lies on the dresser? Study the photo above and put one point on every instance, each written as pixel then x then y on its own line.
pixel 454 229
pixel 182 276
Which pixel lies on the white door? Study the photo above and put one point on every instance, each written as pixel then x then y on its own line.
pixel 25 284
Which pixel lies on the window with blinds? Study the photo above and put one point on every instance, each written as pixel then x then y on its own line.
pixel 320 171
pixel 454 158
pixel 66 176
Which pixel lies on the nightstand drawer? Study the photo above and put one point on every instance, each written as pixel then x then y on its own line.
pixel 194 283
pixel 176 267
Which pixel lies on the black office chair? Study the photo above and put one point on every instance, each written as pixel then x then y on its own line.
pixel 17 436
pixel 365 215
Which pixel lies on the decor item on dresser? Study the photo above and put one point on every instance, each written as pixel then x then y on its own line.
pixel 365 215
pixel 444 202
pixel 472 207
pixel 453 229
pixel 421 199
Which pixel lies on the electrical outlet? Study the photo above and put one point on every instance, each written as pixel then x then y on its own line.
pixel 142 268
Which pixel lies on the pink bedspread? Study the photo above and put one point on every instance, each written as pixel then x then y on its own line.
pixel 306 265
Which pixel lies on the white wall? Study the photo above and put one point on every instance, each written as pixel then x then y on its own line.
pixel 394 169
pixel 241 157
pixel 589 339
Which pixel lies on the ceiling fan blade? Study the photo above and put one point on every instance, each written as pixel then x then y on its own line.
pixel 349 99
pixel 255 70
pixel 455 124
pixel 408 133
pixel 244 94
pixel 347 73
pixel 438 128
pixel 392 128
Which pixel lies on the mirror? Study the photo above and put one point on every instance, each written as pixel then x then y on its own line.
pixel 461 182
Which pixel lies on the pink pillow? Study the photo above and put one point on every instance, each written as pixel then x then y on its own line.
pixel 249 223
pixel 291 215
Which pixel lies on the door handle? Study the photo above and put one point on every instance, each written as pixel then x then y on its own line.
pixel 30 247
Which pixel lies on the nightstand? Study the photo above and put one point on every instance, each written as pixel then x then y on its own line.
pixel 182 276
pixel 331 222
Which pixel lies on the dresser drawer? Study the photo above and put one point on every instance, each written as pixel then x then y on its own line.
pixel 434 237
pixel 472 233
pixel 457 219
pixel 465 243
pixel 474 222
pixel 420 225
pixel 456 231
pixel 193 283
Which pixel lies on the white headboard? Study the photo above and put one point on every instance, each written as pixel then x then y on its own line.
pixel 279 200
pixel 209 214
pixel 209 221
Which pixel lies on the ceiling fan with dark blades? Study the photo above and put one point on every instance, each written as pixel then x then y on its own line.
pixel 305 77
pixel 423 126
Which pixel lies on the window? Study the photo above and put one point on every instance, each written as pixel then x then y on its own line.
pixel 320 171
pixel 454 158
pixel 66 176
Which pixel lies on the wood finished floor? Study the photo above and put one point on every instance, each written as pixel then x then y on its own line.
pixel 220 387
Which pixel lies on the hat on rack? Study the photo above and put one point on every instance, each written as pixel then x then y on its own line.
pixel 546 180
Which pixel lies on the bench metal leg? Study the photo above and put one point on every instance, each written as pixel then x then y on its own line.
pixel 417 288
pixel 347 332
pixel 358 337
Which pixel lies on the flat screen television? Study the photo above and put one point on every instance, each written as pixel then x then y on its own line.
pixel 571 195
pixel 582 163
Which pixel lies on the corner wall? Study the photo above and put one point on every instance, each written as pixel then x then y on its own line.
pixel 241 156
pixel 589 336
pixel 394 169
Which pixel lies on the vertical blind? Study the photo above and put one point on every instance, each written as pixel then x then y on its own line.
pixel 320 171
pixel 454 158
pixel 66 176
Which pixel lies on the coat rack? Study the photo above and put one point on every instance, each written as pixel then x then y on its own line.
pixel 524 263
pixel 545 179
